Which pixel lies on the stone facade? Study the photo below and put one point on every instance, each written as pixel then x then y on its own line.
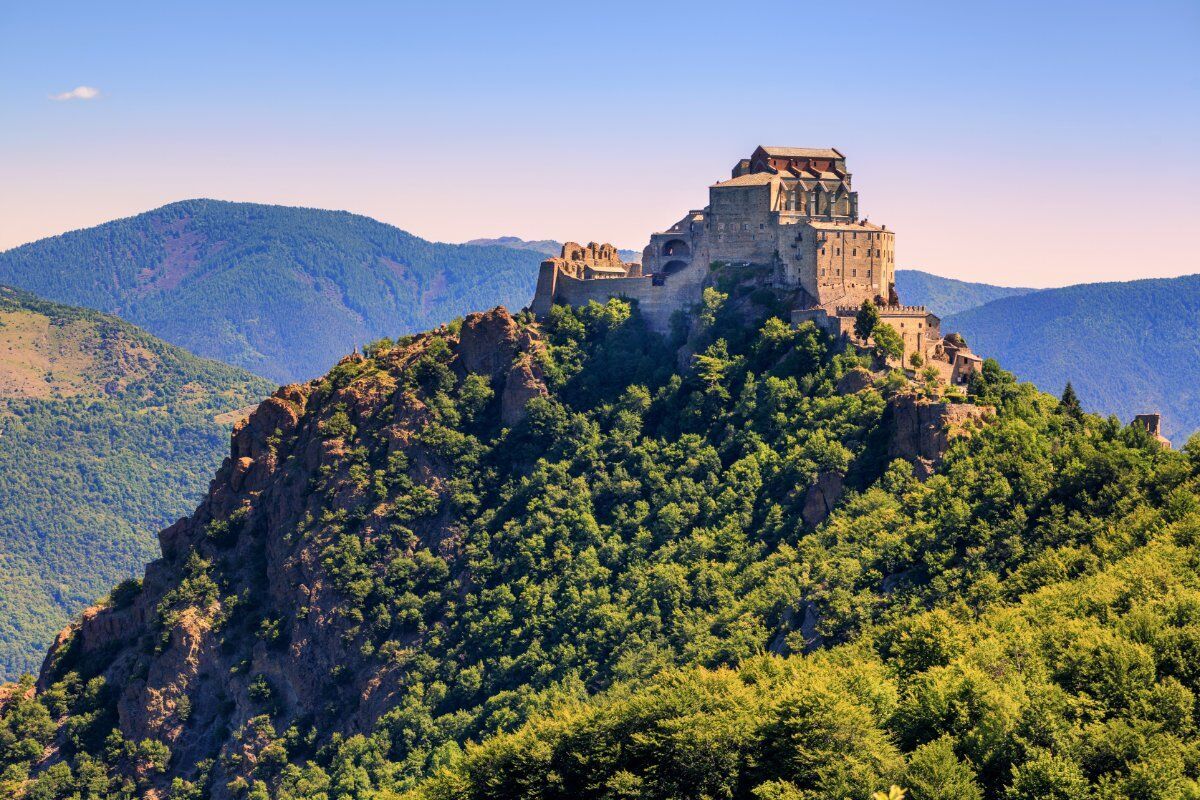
pixel 790 209
pixel 794 210
pixel 1153 425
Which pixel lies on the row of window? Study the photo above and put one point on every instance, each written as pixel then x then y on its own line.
pixel 837 251
pixel 853 273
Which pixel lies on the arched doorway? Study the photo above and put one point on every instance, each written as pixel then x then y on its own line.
pixel 677 248
pixel 671 267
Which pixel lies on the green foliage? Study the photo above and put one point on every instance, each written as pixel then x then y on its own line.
pixel 1127 348
pixel 622 599
pixel 86 479
pixel 887 341
pixel 866 320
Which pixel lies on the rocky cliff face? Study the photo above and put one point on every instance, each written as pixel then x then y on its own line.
pixel 921 431
pixel 241 613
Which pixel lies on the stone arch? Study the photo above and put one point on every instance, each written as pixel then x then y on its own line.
pixel 671 267
pixel 677 248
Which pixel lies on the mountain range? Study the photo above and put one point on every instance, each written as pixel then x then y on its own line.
pixel 311 285
pixel 106 435
pixel 282 292
pixel 548 247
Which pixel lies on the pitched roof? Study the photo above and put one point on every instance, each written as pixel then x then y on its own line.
pixel 750 179
pixel 802 152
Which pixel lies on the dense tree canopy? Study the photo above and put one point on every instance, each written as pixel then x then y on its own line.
pixel 121 439
pixel 640 611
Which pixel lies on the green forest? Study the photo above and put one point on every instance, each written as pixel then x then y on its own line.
pixel 628 604
pixel 1129 347
pixel 86 478
pixel 282 292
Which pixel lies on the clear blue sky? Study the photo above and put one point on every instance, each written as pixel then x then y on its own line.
pixel 1021 143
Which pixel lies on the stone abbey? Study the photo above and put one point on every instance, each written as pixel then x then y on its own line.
pixel 791 210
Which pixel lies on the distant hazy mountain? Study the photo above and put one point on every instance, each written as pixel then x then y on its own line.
pixel 546 246
pixel 106 435
pixel 1126 347
pixel 280 291
pixel 947 295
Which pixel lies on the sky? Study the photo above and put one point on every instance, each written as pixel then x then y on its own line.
pixel 1017 143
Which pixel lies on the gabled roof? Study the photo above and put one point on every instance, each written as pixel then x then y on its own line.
pixel 750 179
pixel 801 152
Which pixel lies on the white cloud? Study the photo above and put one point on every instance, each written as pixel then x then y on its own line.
pixel 78 93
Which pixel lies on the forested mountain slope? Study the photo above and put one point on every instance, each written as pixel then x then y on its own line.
pixel 106 435
pixel 548 247
pixel 1127 348
pixel 945 296
pixel 280 291
pixel 621 578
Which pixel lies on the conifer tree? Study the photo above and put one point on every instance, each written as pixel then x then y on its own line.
pixel 1069 405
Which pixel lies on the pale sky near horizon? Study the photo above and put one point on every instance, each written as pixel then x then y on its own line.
pixel 1018 143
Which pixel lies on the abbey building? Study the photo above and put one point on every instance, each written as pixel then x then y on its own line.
pixel 790 210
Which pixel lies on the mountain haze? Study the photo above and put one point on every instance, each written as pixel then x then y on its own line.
pixel 1127 348
pixel 945 296
pixel 547 247
pixel 106 434
pixel 280 291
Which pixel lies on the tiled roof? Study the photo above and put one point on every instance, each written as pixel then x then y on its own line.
pixel 752 179
pixel 802 152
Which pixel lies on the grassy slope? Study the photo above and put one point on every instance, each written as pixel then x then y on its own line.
pixel 280 291
pixel 108 434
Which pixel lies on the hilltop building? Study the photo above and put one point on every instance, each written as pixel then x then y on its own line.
pixel 790 209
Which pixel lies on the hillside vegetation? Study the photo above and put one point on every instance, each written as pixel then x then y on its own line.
pixel 946 296
pixel 282 292
pixel 508 560
pixel 106 434
pixel 1127 348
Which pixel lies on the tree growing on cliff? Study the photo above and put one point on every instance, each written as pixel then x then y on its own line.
pixel 866 320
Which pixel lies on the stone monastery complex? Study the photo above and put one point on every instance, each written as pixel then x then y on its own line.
pixel 792 210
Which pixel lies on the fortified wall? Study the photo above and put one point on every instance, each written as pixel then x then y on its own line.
pixel 790 209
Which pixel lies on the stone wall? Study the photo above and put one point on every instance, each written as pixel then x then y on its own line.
pixel 657 297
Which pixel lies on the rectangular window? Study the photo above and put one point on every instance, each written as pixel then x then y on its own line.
pixel 855 252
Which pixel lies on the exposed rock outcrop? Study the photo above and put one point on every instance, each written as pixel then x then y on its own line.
pixel 821 497
pixel 488 342
pixel 921 431
pixel 855 380
pixel 243 604
pixel 523 383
